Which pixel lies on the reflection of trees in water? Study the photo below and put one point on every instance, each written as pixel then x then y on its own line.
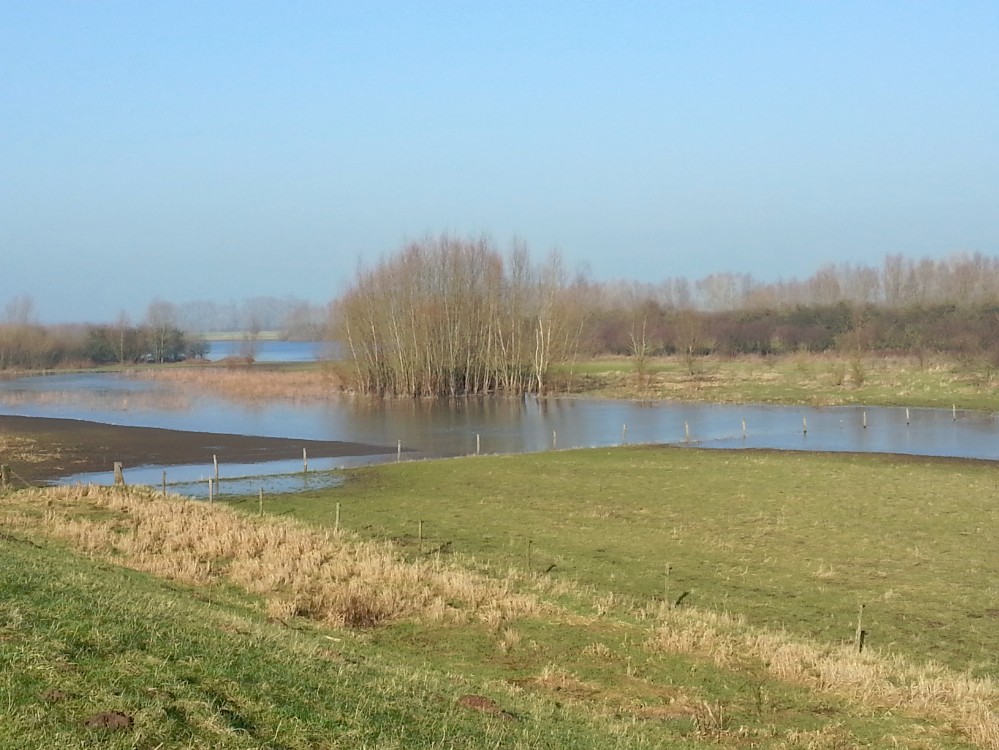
pixel 475 410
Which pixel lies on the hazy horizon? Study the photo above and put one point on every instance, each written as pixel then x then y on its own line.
pixel 234 150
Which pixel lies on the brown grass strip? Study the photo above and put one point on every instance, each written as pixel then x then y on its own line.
pixel 248 384
pixel 332 578
pixel 871 679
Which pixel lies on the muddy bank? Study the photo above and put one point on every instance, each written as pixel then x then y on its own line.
pixel 50 448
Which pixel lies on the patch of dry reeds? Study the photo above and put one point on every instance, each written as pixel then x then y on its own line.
pixel 252 384
pixel 871 679
pixel 333 578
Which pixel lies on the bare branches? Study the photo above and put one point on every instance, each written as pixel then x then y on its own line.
pixel 449 317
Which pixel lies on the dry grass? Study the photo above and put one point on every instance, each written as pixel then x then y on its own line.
pixel 869 679
pixel 331 578
pixel 252 384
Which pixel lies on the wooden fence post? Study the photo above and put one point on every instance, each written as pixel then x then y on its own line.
pixel 859 637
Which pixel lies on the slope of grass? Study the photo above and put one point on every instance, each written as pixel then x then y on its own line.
pixel 465 660
pixel 202 667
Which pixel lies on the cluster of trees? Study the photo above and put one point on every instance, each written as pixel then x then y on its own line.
pixel 449 316
pixel 650 329
pixel 949 305
pixel 26 344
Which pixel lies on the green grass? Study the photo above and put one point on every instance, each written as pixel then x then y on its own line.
pixel 795 541
pixel 792 543
pixel 204 669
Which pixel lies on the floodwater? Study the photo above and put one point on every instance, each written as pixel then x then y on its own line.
pixel 269 351
pixel 485 425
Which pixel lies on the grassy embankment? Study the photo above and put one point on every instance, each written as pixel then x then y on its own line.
pixel 540 583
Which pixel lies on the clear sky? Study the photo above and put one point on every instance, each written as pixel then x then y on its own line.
pixel 223 150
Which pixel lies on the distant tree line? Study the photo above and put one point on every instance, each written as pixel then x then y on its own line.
pixel 26 344
pixel 651 330
pixel 448 316
pixel 962 278
pixel 292 317
pixel 904 306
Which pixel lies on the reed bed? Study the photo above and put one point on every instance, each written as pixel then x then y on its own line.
pixel 249 384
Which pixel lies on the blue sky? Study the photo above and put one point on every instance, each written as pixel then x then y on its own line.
pixel 223 150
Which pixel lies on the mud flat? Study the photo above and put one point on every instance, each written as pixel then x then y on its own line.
pixel 46 448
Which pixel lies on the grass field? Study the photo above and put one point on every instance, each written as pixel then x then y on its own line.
pixel 813 379
pixel 534 606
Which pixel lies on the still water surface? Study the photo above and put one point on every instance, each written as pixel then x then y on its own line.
pixel 496 425
pixel 269 351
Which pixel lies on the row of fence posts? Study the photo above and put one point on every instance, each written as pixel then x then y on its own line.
pixel 213 482
pixel 686 431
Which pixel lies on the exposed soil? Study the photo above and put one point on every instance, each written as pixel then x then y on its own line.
pixel 62 447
